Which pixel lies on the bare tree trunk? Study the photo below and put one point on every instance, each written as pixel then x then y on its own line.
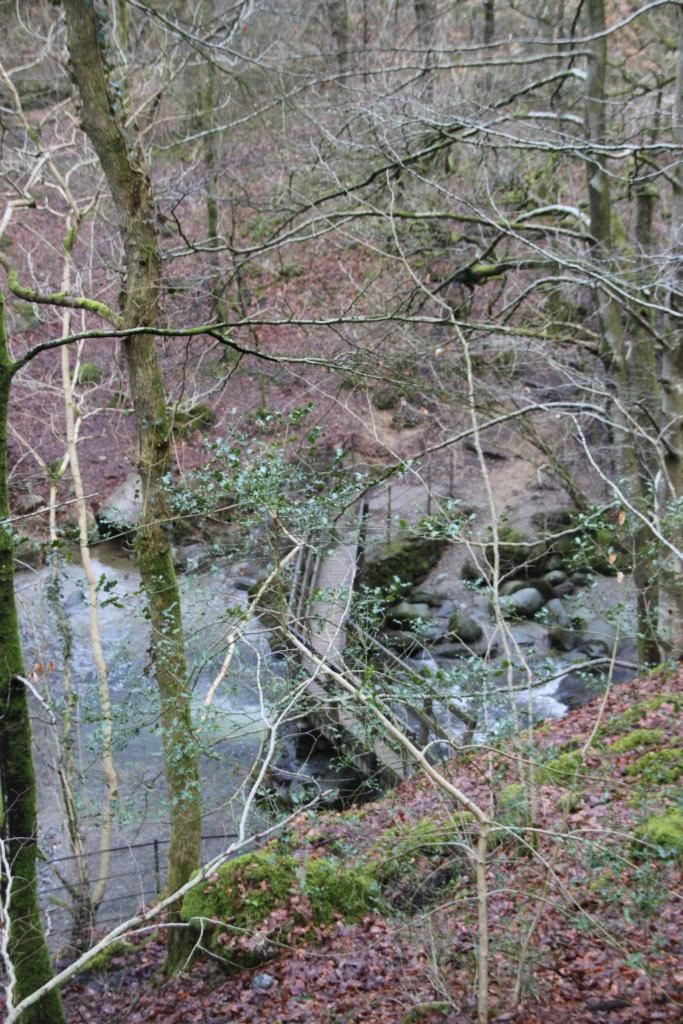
pixel 18 822
pixel 671 486
pixel 489 20
pixel 340 27
pixel 424 25
pixel 632 363
pixel 132 195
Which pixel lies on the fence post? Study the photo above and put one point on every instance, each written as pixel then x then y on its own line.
pixel 157 867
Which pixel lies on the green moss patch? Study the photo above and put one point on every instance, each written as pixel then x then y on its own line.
pixel 560 771
pixel 658 767
pixel 660 836
pixel 637 738
pixel 406 560
pixel 262 899
pixel 89 373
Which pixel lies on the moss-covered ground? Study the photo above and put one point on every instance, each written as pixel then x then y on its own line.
pixel 370 915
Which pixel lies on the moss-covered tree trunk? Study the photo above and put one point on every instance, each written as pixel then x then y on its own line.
pixel 631 359
pixel 671 486
pixel 132 195
pixel 27 947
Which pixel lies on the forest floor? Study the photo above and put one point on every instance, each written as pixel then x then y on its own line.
pixel 586 924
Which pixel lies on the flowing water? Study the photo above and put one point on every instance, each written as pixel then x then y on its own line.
pixel 231 729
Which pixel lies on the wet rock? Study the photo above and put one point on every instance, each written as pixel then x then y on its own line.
pixel 555 577
pixel 400 640
pixel 408 612
pixel 425 596
pixel 564 589
pixel 191 558
pixel 556 612
pixel 464 628
pixel 542 586
pixel 450 650
pixel 74 599
pixel 599 638
pixel 562 638
pixel 522 604
pixel 574 691
pixel 121 510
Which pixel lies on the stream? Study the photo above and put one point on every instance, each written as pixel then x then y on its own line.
pixel 231 729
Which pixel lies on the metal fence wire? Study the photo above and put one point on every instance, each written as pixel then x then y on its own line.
pixel 136 876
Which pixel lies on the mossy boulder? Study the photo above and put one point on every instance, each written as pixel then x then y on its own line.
pixel 407 560
pixel 660 836
pixel 256 901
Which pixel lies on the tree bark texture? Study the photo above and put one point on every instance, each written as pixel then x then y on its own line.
pixel 27 947
pixel 671 480
pixel 631 359
pixel 133 199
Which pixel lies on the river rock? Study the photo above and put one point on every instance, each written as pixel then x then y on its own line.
pixel 400 640
pixel 555 577
pixel 192 557
pixel 562 638
pixel 564 589
pixel 121 510
pixel 450 650
pixel 408 611
pixel 574 690
pixel 599 639
pixel 557 614
pixel 424 595
pixel 464 628
pixel 513 586
pixel 522 604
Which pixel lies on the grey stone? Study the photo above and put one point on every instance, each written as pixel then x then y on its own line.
pixel 123 506
pixel 564 589
pixel 522 604
pixel 555 577
pixel 599 638
pixel 464 628
pixel 424 595
pixel 263 981
pixel 407 611
pixel 556 613
pixel 192 557
pixel 563 639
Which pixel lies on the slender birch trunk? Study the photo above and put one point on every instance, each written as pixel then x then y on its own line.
pixel 133 199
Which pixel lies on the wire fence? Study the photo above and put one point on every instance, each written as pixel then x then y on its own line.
pixel 136 877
